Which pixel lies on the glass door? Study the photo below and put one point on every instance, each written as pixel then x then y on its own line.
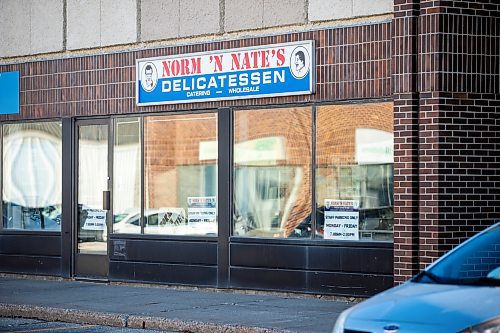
pixel 92 199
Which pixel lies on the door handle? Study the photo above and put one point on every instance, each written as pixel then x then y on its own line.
pixel 106 200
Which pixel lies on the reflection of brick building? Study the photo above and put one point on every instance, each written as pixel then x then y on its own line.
pixel 174 141
pixel 335 140
pixel 170 142
pixel 295 126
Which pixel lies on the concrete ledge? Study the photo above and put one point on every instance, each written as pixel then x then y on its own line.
pixel 122 320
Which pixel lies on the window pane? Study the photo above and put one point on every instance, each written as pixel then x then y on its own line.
pixel 127 176
pixel 181 174
pixel 354 177
pixel 32 176
pixel 272 173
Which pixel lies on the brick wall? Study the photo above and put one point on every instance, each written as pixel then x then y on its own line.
pixel 406 136
pixel 446 83
pixel 351 63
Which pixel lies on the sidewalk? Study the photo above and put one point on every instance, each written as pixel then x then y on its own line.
pixel 165 308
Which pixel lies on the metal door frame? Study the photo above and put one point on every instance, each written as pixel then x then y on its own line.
pixel 90 266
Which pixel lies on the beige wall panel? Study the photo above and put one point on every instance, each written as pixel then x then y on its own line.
pixel 284 12
pixel 243 14
pixel 14 27
pixel 322 10
pixel 118 22
pixel 159 19
pixel 371 7
pixel 199 17
pixel 83 24
pixel 46 26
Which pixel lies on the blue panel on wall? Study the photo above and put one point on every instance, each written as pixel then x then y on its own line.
pixel 9 92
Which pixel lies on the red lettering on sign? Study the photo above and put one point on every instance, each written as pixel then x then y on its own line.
pixel 246 61
pixel 196 65
pixel 218 62
pixel 235 63
pixel 264 59
pixel 281 57
pixel 177 67
pixel 166 69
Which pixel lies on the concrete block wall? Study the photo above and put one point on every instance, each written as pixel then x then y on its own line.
pixel 97 23
pixel 32 27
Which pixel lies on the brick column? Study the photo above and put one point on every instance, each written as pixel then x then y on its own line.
pixel 459 104
pixel 446 85
pixel 406 106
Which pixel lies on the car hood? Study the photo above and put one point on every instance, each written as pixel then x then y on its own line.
pixel 428 305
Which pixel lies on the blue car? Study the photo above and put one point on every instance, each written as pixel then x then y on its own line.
pixel 460 292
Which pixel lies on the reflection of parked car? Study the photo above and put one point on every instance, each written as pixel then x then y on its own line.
pixel 128 223
pixel 458 293
pixel 154 219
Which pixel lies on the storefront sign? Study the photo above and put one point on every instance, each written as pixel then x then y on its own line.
pixel 341 219
pixel 253 72
pixel 202 210
pixel 9 92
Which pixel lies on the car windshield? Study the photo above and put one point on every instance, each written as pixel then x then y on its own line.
pixel 475 263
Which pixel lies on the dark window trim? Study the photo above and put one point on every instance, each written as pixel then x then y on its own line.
pixel 309 242
pixel 210 239
pixel 30 232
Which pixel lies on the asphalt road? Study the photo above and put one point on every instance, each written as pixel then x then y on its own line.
pixel 20 325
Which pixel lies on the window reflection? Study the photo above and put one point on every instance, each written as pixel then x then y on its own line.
pixel 92 181
pixel 181 174
pixel 354 175
pixel 272 172
pixel 127 176
pixel 32 176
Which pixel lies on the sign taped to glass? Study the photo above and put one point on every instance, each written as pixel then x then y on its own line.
pixel 202 210
pixel 341 219
pixel 252 72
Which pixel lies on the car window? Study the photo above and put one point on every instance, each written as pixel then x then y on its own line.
pixel 477 262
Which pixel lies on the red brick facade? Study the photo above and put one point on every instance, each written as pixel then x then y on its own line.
pixel 446 83
pixel 351 63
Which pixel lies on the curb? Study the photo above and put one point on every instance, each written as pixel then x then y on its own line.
pixel 123 320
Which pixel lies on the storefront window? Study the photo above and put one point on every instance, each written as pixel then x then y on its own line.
pixel 32 176
pixel 354 172
pixel 181 174
pixel 272 173
pixel 127 176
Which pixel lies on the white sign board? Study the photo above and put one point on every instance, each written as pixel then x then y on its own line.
pixel 251 72
pixel 341 219
pixel 202 210
pixel 95 219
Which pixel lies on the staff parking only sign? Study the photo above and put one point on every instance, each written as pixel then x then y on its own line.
pixel 263 71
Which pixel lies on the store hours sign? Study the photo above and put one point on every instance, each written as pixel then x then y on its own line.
pixel 341 219
pixel 254 72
